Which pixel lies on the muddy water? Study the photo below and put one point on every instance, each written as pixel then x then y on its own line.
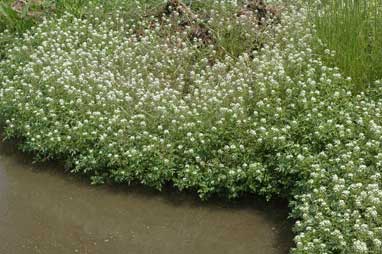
pixel 44 211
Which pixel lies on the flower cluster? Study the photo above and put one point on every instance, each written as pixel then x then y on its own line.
pixel 339 201
pixel 146 102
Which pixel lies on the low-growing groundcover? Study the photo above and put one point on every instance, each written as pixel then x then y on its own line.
pixel 221 104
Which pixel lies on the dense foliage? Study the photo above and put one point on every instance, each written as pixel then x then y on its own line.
pixel 230 108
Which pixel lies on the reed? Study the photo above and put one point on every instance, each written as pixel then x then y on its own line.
pixel 353 29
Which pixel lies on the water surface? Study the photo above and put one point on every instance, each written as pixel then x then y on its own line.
pixel 45 211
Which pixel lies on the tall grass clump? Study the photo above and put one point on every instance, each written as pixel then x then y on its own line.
pixel 13 21
pixel 353 29
pixel 171 98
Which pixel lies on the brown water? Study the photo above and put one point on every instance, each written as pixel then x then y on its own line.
pixel 44 211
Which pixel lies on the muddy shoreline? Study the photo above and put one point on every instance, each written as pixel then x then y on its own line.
pixel 44 210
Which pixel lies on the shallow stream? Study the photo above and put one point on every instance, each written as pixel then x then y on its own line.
pixel 42 210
